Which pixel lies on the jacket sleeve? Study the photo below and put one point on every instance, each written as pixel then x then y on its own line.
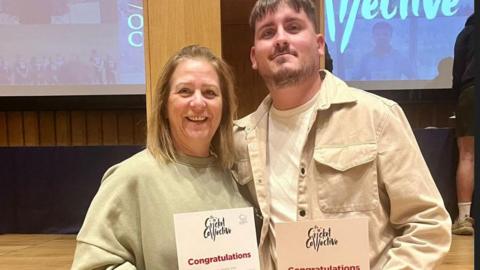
pixel 417 211
pixel 109 237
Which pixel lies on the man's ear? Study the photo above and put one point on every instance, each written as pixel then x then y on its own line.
pixel 321 44
pixel 252 58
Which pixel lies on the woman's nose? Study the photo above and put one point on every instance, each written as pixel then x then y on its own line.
pixel 197 100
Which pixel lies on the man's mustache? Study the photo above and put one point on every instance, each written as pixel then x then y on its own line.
pixel 281 50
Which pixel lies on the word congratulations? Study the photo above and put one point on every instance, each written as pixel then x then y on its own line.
pixel 318 236
pixel 215 226
pixel 330 267
pixel 369 9
pixel 226 257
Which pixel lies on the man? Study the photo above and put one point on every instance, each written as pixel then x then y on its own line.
pixel 316 148
pixel 464 85
pixel 384 62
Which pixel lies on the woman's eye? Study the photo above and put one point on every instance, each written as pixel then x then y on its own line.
pixel 210 93
pixel 184 91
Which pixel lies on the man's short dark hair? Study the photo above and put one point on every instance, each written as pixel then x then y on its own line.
pixel 382 25
pixel 263 7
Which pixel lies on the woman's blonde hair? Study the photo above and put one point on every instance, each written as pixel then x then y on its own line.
pixel 159 140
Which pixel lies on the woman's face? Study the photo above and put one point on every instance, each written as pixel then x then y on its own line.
pixel 194 106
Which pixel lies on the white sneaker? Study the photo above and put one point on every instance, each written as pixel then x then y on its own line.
pixel 463 227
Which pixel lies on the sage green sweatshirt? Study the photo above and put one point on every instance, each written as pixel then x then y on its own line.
pixel 129 224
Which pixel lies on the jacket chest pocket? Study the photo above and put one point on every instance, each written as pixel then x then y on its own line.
pixel 346 178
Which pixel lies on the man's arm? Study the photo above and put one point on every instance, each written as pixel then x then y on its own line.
pixel 416 207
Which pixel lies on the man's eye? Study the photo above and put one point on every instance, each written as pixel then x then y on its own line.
pixel 267 33
pixel 294 28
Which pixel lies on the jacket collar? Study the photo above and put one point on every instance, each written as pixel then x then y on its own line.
pixel 332 91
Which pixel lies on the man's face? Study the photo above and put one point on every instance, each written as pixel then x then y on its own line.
pixel 286 48
pixel 382 37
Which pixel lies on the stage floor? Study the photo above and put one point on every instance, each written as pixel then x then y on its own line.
pixel 55 252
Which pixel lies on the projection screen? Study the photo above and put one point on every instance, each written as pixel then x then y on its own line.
pixel 71 47
pixel 394 44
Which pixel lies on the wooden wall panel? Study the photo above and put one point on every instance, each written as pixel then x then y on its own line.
pixel 94 128
pixel 237 39
pixel 250 88
pixel 63 128
pixel 15 128
pixel 109 128
pixel 195 22
pixel 30 127
pixel 140 127
pixel 430 114
pixel 79 128
pixel 47 128
pixel 3 129
pixel 126 127
pixel 444 112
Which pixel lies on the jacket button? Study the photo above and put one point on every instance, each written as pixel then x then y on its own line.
pixel 302 213
pixel 302 171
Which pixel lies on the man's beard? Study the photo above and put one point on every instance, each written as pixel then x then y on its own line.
pixel 285 77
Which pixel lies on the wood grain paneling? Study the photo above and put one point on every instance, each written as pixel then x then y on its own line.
pixel 3 129
pixel 79 128
pixel 56 252
pixel 195 22
pixel 109 128
pixel 237 40
pixel 126 134
pixel 15 128
pixel 30 127
pixel 47 128
pixel 140 127
pixel 250 88
pixel 94 128
pixel 63 128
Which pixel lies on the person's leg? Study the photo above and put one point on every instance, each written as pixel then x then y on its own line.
pixel 465 174
pixel 464 223
pixel 465 171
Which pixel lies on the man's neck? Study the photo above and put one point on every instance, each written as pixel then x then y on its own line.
pixel 292 96
pixel 383 50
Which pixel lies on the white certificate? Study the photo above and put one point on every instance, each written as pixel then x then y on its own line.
pixel 327 244
pixel 217 239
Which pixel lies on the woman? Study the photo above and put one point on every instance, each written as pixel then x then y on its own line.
pixel 184 169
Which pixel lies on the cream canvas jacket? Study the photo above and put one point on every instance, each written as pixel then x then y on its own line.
pixel 360 159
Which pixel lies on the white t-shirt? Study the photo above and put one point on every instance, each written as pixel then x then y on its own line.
pixel 287 132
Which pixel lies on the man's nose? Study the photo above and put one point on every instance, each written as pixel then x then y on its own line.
pixel 281 39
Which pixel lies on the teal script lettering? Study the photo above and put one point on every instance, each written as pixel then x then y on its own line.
pixel 369 9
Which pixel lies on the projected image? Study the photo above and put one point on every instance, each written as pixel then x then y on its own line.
pixel 71 43
pixel 396 44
